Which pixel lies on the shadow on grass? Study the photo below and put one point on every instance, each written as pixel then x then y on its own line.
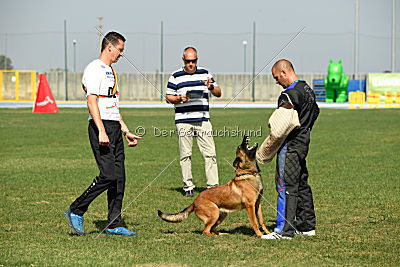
pixel 73 234
pixel 102 224
pixel 244 230
pixel 270 224
pixel 180 190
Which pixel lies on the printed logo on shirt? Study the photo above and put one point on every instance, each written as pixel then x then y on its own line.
pixel 110 75
pixel 114 105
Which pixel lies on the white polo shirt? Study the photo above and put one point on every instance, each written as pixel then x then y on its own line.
pixel 101 80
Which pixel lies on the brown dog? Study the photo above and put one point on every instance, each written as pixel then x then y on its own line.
pixel 243 192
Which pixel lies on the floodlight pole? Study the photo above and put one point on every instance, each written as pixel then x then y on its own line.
pixel 100 27
pixel 5 52
pixel 162 61
pixel 74 43
pixel 393 36
pixel 254 59
pixel 65 60
pixel 356 43
pixel 244 55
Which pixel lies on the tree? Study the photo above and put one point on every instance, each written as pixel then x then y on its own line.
pixel 5 63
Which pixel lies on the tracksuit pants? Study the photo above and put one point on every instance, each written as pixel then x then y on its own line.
pixel 295 201
pixel 110 161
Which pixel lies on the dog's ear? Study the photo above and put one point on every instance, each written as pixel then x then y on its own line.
pixel 236 162
pixel 237 151
pixel 252 152
pixel 243 145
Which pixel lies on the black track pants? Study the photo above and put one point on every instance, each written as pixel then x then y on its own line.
pixel 295 200
pixel 110 161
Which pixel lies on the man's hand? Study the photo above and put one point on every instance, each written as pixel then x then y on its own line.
pixel 103 138
pixel 184 98
pixel 132 139
pixel 177 99
pixel 209 83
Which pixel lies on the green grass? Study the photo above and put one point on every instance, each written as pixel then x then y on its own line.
pixel 46 162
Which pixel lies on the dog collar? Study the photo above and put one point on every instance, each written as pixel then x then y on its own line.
pixel 247 173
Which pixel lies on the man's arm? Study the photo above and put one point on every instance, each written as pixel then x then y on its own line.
pixel 130 137
pixel 95 113
pixel 170 96
pixel 216 91
pixel 176 99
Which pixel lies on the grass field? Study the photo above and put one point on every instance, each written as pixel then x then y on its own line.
pixel 46 162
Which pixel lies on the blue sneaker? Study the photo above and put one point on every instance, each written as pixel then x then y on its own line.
pixel 120 231
pixel 75 222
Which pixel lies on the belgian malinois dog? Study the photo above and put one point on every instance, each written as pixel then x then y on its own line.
pixel 242 192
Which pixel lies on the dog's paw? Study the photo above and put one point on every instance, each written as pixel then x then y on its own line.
pixel 208 233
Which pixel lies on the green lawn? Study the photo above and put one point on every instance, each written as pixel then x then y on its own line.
pixel 46 162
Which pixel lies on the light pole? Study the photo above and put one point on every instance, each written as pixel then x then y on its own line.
pixel 5 52
pixel 393 36
pixel 65 60
pixel 244 55
pixel 254 61
pixel 100 29
pixel 74 43
pixel 162 61
pixel 356 42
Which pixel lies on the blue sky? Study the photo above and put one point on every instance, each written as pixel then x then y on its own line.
pixel 31 33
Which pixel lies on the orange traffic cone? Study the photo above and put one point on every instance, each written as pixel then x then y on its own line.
pixel 44 100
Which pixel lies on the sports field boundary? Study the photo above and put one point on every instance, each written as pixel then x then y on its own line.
pixel 123 104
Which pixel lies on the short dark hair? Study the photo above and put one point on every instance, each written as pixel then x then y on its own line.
pixel 283 64
pixel 187 48
pixel 113 38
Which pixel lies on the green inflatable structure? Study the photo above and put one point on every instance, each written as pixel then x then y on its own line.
pixel 336 83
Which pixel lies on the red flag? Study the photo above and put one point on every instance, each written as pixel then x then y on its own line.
pixel 44 101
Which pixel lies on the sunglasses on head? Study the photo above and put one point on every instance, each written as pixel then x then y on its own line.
pixel 190 60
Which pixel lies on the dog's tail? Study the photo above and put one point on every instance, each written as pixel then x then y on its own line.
pixel 178 217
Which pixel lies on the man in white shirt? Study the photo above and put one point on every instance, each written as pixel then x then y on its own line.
pixel 105 134
pixel 188 89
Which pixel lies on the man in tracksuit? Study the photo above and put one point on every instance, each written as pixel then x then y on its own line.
pixel 106 127
pixel 295 201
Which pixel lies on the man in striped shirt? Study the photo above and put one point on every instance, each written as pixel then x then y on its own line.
pixel 188 89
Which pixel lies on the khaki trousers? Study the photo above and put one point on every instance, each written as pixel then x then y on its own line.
pixel 202 131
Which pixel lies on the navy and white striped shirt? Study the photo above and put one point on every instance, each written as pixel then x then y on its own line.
pixel 195 109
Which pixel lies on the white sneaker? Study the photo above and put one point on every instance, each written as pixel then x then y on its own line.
pixel 274 235
pixel 308 233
